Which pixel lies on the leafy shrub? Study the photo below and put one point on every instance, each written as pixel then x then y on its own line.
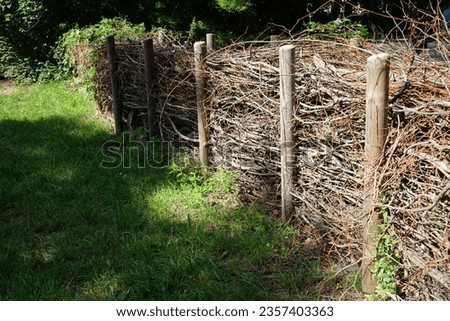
pixel 28 32
pixel 197 29
pixel 339 27
pixel 75 50
pixel 234 5
pixel 21 46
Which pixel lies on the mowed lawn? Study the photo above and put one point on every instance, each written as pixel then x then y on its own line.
pixel 71 229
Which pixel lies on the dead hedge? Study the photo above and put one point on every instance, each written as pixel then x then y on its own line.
pixel 243 123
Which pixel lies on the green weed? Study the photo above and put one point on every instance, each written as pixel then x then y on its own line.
pixel 387 259
pixel 339 27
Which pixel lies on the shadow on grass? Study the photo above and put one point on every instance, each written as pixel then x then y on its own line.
pixel 72 230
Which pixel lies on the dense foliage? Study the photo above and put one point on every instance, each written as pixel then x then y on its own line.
pixel 29 29
pixel 75 40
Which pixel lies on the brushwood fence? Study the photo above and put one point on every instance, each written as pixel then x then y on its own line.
pixel 336 185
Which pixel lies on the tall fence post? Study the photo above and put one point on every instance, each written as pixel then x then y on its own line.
pixel 149 74
pixel 287 100
pixel 200 80
pixel 117 104
pixel 376 132
pixel 274 40
pixel 210 42
pixel 161 37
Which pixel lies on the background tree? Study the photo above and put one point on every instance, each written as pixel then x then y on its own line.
pixel 29 29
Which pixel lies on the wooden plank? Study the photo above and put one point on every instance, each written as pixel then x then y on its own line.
pixel 287 100
pixel 377 95
pixel 117 104
pixel 149 76
pixel 200 79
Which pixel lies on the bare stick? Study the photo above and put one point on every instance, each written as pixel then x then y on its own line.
pixel 376 133
pixel 287 91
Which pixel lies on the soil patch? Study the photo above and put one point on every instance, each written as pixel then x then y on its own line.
pixel 7 87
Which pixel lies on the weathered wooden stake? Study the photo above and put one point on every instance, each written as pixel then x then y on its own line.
pixel 287 99
pixel 376 132
pixel 273 40
pixel 210 42
pixel 149 69
pixel 161 37
pixel 117 104
pixel 200 80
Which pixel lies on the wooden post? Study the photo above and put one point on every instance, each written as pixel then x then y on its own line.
pixel 287 100
pixel 161 37
pixel 274 40
pixel 117 104
pixel 376 133
pixel 210 42
pixel 200 80
pixel 149 69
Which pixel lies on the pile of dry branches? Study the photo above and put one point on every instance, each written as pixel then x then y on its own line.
pixel 415 179
pixel 243 123
pixel 329 132
pixel 172 90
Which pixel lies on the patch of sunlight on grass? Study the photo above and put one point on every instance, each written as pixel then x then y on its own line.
pixel 103 287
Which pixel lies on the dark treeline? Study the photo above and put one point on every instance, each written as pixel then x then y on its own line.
pixel 29 29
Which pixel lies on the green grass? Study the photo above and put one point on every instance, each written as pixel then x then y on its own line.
pixel 72 230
